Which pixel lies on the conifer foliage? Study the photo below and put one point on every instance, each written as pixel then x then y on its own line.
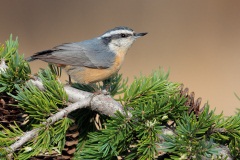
pixel 155 118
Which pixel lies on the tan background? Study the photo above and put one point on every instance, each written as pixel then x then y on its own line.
pixel 198 40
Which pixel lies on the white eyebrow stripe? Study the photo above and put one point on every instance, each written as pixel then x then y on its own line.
pixel 108 34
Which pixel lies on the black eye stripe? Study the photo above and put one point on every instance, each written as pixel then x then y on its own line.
pixel 116 36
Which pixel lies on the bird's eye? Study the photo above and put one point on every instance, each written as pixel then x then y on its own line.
pixel 123 35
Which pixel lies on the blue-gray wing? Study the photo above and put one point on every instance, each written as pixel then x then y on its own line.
pixel 90 53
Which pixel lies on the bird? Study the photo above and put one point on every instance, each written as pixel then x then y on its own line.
pixel 92 60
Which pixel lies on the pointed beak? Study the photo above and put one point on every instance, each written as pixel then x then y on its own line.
pixel 137 35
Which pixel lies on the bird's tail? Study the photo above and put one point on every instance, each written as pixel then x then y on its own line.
pixel 29 59
pixel 38 55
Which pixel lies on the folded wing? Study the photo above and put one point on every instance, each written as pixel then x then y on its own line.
pixel 90 53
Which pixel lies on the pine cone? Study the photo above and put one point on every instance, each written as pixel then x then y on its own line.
pixel 194 106
pixel 10 113
pixel 71 143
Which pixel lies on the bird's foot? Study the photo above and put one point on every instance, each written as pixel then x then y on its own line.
pixel 104 92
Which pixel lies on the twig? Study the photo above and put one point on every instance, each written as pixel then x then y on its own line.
pixel 27 136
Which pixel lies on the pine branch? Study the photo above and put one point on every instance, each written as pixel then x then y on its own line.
pixel 101 103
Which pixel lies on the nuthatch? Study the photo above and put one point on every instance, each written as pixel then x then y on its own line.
pixel 92 60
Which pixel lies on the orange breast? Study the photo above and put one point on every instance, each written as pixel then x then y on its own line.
pixel 91 75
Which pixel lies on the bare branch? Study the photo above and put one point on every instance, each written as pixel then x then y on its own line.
pixel 27 136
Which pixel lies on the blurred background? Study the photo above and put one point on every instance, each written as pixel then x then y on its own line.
pixel 198 41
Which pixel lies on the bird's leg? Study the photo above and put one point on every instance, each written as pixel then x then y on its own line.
pixel 69 80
